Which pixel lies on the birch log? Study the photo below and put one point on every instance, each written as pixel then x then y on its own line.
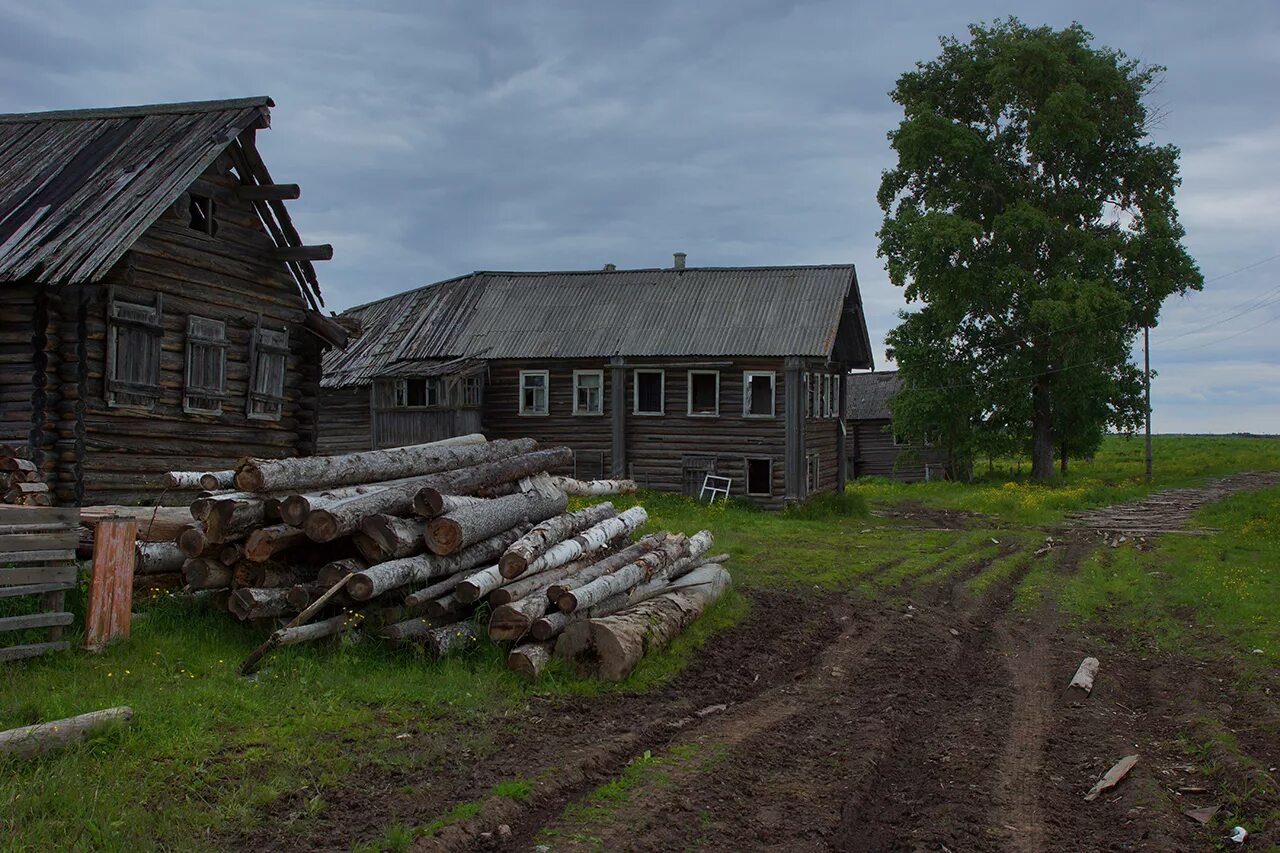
pixel 476 586
pixel 657 561
pixel 203 573
pixel 420 597
pixel 295 508
pixel 302 473
pixel 601 567
pixel 423 567
pixel 192 540
pixel 1082 684
pixel 529 660
pixel 42 737
pixel 446 605
pixel 590 540
pixel 266 542
pixel 156 557
pixel 206 480
pixel 233 519
pixel 452 638
pixel 330 573
pixel 541 582
pixel 511 622
pixel 315 631
pixel 342 517
pixel 618 642
pixel 430 500
pixel 251 603
pixel 455 531
pixel 594 488
pixel 395 537
pixel 539 540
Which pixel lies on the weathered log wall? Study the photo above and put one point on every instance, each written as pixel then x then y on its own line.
pixel 344 420
pixel 872 453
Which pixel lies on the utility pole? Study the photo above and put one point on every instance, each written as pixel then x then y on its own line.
pixel 1146 382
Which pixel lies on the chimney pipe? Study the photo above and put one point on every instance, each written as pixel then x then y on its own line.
pixel 679 258
pixel 610 267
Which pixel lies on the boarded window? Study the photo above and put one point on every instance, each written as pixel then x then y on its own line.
pixel 133 354
pixel 757 394
pixel 696 469
pixel 533 392
pixel 760 476
pixel 268 359
pixel 649 392
pixel 813 471
pixel 588 464
pixel 472 390
pixel 704 392
pixel 588 392
pixel 206 372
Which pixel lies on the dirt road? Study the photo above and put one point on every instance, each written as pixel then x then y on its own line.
pixel 937 722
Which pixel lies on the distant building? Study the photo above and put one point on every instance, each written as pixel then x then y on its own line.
pixel 664 375
pixel 157 307
pixel 875 450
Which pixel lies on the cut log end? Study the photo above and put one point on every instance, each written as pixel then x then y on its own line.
pixel 528 661
pixel 361 587
pixel 513 565
pixel 249 480
pixel 444 536
pixel 321 526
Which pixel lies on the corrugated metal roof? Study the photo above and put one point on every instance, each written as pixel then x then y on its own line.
pixel 698 311
pixel 869 393
pixel 78 187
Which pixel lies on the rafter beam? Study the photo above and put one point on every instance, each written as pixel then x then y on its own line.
pixel 268 192
pixel 322 252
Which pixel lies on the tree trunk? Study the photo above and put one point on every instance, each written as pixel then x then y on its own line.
pixel 315 631
pixel 231 554
pixel 42 737
pixel 445 606
pixel 420 597
pixel 295 508
pixel 608 565
pixel 452 638
pixel 478 585
pixel 539 584
pixel 539 540
pixel 1063 455
pixel 594 488
pixel 156 557
pixel 1042 431
pixel 448 503
pixel 408 630
pixel 430 500
pixel 302 473
pixel 192 540
pixel 233 519
pixel 342 517
pixel 451 533
pixel 266 542
pixel 619 642
pixel 529 660
pixel 395 537
pixel 155 524
pixel 203 573
pixel 330 573
pixel 656 562
pixel 590 540
pixel 369 550
pixel 384 576
pixel 510 622
pixel 251 603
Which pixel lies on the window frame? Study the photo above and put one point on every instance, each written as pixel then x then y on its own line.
pixel 813 472
pixel 153 328
pixel 258 347
pixel 546 394
pixel 746 480
pixel 599 374
pixel 689 382
pixel 400 392
pixel 635 391
pixel 194 340
pixel 747 376
pixel 207 206
pixel 467 384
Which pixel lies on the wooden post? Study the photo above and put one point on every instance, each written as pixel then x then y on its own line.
pixel 842 440
pixel 1146 389
pixel 111 587
pixel 618 415
pixel 793 414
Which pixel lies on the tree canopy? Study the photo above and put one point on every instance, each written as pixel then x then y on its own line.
pixel 1033 221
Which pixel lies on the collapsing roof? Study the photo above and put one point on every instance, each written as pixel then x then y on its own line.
pixel 868 395
pixel 79 187
pixel 812 311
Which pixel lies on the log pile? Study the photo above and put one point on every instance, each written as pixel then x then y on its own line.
pixel 21 482
pixel 442 546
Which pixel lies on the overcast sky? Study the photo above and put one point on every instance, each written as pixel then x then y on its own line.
pixel 433 139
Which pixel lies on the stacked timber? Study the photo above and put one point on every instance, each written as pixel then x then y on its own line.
pixel 21 481
pixel 439 546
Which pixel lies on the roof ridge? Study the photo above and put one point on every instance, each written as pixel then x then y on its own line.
pixel 139 110
pixel 669 269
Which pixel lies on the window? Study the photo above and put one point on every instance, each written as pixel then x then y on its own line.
pixel 813 471
pixel 649 392
pixel 588 392
pixel 202 212
pixel 133 354
pixel 812 404
pixel 533 392
pixel 760 476
pixel 268 357
pixel 206 373
pixel 757 395
pixel 899 440
pixel 417 392
pixel 828 390
pixel 472 390
pixel 704 393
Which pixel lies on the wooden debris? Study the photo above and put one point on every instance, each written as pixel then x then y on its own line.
pixel 32 740
pixel 1112 777
pixel 1082 683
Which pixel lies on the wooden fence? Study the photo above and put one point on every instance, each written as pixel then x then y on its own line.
pixel 37 558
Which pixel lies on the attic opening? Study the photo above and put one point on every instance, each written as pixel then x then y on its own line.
pixel 202 212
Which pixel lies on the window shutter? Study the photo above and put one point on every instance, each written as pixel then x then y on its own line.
pixel 266 387
pixel 206 372
pixel 133 354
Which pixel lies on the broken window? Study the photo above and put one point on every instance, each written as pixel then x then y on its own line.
pixel 757 394
pixel 472 390
pixel 417 392
pixel 202 211
pixel 704 392
pixel 206 371
pixel 134 335
pixel 268 357
pixel 760 476
pixel 588 392
pixel 649 392
pixel 533 392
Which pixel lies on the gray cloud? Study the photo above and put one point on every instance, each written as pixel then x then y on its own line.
pixel 434 139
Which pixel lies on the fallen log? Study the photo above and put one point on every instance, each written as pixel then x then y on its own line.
pixel 295 508
pixel 156 557
pixel 490 478
pixel 302 473
pixel 594 488
pixel 479 584
pixel 316 630
pixel 539 540
pixel 192 540
pixel 32 740
pixel 408 630
pixel 203 573
pixel 448 503
pixel 511 622
pixel 206 480
pixel 266 542
pixel 588 541
pixel 395 537
pixel 254 603
pixel 420 597
pixel 618 642
pixel 539 583
pixel 529 660
pixel 450 533
pixel 452 638
pixel 250 663
pixel 330 573
pixel 643 568
pixel 605 566
pixel 1082 683
pixel 230 519
pixel 374 580
pixel 446 605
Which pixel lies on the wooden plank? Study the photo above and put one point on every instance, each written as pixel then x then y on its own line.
pixel 31 650
pixel 38 515
pixel 67 539
pixel 35 588
pixel 34 620
pixel 46 557
pixel 37 575
pixel 111 586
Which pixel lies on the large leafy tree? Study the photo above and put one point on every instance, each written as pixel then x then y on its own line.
pixel 1033 221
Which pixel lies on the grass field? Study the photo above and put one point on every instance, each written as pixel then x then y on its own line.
pixel 207 749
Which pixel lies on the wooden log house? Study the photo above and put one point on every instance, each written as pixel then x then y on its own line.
pixel 875 449
pixel 662 375
pixel 158 309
